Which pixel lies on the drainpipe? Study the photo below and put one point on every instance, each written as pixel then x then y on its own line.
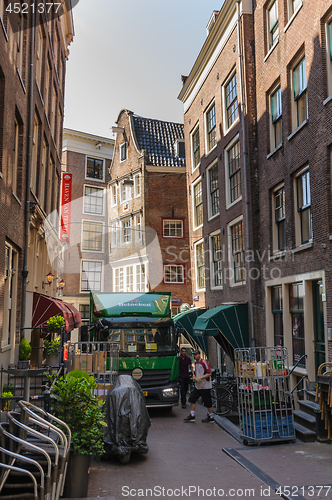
pixel 245 169
pixel 25 271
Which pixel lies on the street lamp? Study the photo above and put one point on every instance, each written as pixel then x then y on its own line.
pixel 60 287
pixel 49 281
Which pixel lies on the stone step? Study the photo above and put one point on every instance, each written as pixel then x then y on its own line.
pixel 311 395
pixel 308 407
pixel 305 419
pixel 304 434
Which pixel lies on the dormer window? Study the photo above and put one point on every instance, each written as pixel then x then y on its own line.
pixel 123 151
pixel 179 148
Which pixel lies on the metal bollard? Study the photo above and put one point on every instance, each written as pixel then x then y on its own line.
pixel 47 401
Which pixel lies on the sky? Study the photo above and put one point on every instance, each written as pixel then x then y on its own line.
pixel 131 54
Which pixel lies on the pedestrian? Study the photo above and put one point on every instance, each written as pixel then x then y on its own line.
pixel 65 358
pixel 203 386
pixel 184 374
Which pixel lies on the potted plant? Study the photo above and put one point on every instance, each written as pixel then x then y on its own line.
pixel 24 354
pixel 55 323
pixel 52 350
pixel 74 402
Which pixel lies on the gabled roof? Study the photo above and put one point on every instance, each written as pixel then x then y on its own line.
pixel 158 139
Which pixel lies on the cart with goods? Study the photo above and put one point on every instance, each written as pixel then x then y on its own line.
pixel 265 400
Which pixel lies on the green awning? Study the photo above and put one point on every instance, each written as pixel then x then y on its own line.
pixel 185 323
pixel 116 305
pixel 228 324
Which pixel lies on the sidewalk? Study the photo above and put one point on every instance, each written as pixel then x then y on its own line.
pixel 204 456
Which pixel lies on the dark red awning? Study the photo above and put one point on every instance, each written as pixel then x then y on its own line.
pixel 45 307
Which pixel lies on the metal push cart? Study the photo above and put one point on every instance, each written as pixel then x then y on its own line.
pixel 265 401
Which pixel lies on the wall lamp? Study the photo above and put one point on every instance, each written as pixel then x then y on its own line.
pixel 61 286
pixel 49 281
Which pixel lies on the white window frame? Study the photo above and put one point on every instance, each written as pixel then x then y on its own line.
pixel 213 286
pixel 231 260
pixel 16 156
pixel 137 185
pixel 298 213
pixel 123 146
pixel 101 233
pixel 126 231
pixel 275 223
pixel 291 11
pixel 229 146
pixel 270 30
pixel 138 227
pixel 197 181
pixel 276 120
pixel 101 274
pixel 294 101
pixel 85 186
pixel 210 106
pixel 10 295
pixel 114 231
pixel 198 288
pixel 227 128
pixel 121 274
pixel 125 190
pixel 92 157
pixel 114 195
pixel 194 131
pixel 177 266
pixel 175 221
pixel 208 189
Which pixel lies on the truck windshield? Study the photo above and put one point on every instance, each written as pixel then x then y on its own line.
pixel 143 340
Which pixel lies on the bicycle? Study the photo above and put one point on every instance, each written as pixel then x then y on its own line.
pixel 224 395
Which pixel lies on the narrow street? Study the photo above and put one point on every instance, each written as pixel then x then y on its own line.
pixel 181 455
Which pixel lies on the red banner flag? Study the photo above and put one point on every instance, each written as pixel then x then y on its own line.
pixel 65 207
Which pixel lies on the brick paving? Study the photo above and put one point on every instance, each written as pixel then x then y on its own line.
pixel 180 455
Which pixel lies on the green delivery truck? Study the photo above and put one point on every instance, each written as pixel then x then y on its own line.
pixel 142 326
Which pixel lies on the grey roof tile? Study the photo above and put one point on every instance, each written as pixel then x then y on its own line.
pixel 158 138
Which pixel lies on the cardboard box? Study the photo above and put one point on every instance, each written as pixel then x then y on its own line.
pixel 83 362
pixel 99 361
pixel 102 391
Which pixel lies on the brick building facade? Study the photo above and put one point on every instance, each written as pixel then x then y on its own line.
pixel 33 56
pixel 87 158
pixel 148 213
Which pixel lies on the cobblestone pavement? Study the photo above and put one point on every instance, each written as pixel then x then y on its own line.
pixel 181 455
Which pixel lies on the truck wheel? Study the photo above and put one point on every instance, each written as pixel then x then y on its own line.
pixel 124 459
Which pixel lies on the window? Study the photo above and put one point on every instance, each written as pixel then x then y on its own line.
pixel 278 328
pixel 198 204
pixel 179 148
pixel 200 266
pixel 172 228
pixel 195 149
pixel 20 38
pixel 92 236
pixel 211 129
pixel 213 190
pixel 279 219
pixel 125 192
pixel 273 25
pixel 113 195
pixel 296 309
pixel 84 310
pixel 53 111
pixel 16 151
pixel 47 86
pixel 123 152
pixel 300 94
pixel 138 227
pixel 10 295
pixel 233 170
pixel 329 57
pixel 113 233
pixel 237 251
pixel 95 168
pixel 91 276
pixel 293 6
pixel 93 200
pixel 276 119
pixel 216 261
pixel 231 101
pixel 137 185
pixel 35 145
pixel 42 176
pixel 126 231
pixel 130 278
pixel 304 206
pixel 173 273
pixel 39 58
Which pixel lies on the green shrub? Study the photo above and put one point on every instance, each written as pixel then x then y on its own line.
pixel 52 346
pixel 25 350
pixel 55 323
pixel 74 402
pixel 6 404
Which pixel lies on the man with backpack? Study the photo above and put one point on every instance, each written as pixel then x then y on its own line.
pixel 203 386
